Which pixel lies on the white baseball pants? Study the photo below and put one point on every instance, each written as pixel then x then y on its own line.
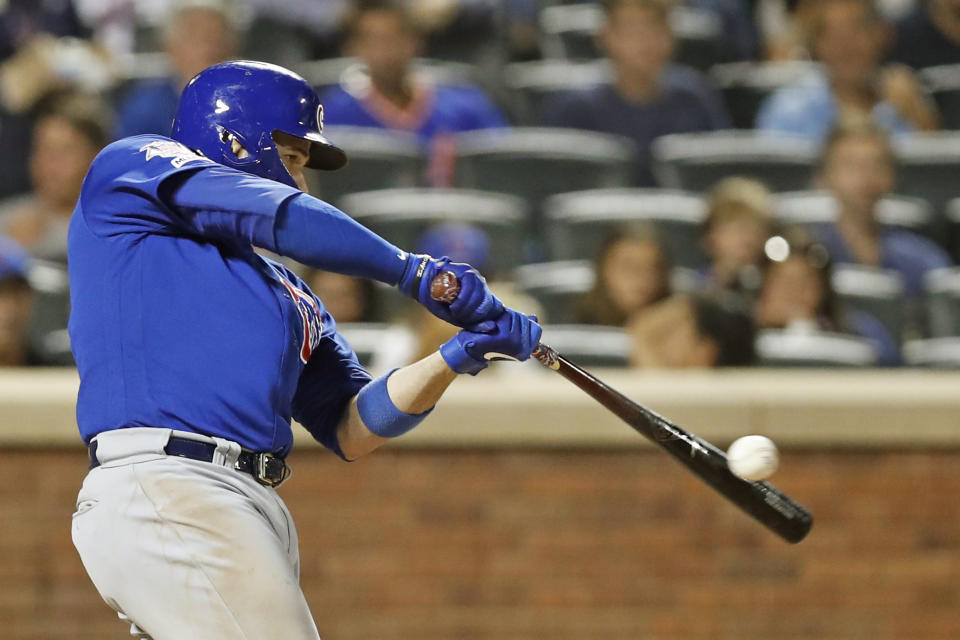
pixel 187 549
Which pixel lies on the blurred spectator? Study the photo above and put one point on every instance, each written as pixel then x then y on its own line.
pixel 22 20
pixel 348 299
pixel 632 273
pixel 858 169
pixel 739 220
pixel 740 38
pixel 929 35
pixel 15 302
pixel 69 131
pixel 199 33
pixel 692 332
pixel 390 95
pixel 797 296
pixel 458 29
pixel 648 98
pixel 849 37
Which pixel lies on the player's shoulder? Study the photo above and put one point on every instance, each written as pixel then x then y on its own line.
pixel 133 153
pixel 141 149
pixel 137 158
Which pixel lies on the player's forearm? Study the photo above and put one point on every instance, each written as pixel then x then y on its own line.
pixel 414 389
pixel 321 236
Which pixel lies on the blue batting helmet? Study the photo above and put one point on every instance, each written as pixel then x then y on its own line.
pixel 248 101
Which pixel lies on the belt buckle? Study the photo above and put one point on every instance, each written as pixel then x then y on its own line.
pixel 271 470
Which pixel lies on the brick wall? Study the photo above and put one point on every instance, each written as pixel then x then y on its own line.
pixel 560 545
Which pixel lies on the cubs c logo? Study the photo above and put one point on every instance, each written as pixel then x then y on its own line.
pixel 309 315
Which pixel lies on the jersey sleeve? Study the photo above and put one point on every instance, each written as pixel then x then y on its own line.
pixel 330 379
pixel 151 184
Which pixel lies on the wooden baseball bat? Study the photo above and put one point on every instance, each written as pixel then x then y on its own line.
pixel 761 500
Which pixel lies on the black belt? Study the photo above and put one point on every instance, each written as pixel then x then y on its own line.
pixel 266 468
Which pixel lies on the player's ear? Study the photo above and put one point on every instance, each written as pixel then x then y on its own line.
pixel 236 148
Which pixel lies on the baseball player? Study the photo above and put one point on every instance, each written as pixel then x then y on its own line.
pixel 194 353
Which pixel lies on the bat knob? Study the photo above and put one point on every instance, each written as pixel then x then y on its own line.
pixel 445 287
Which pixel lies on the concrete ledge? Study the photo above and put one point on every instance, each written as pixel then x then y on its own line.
pixel 529 406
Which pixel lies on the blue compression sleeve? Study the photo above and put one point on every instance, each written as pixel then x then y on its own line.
pixel 380 415
pixel 321 236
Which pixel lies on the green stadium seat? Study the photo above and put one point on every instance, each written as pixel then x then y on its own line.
pixel 578 222
pixel 590 345
pixel 379 159
pixel 402 215
pixel 878 292
pixel 535 163
pixel 745 85
pixel 780 348
pixel 808 208
pixel 697 161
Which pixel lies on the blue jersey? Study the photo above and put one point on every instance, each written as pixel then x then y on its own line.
pixel 177 323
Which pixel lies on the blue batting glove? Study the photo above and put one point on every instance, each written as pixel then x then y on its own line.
pixel 475 306
pixel 514 337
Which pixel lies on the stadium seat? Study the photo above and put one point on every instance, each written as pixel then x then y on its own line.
pixel 557 286
pixel 535 163
pixel 933 353
pixel 697 161
pixel 590 345
pixel 952 228
pixel 777 348
pixel 330 72
pixel 928 166
pixel 578 222
pixel 878 292
pixel 535 82
pixel 943 83
pixel 50 310
pixel 570 32
pixel 745 85
pixel 379 159
pixel 942 287
pixel 402 215
pixel 807 208
pixel 366 338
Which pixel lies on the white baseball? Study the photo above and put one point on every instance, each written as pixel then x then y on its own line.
pixel 753 458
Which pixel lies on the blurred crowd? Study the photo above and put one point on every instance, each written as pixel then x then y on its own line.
pixel 850 79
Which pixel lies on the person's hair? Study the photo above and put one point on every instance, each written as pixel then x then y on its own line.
pixel 735 198
pixel 234 18
pixel 351 19
pixel 726 322
pixel 801 245
pixel 855 129
pixel 84 112
pixel 814 9
pixel 597 307
pixel 660 7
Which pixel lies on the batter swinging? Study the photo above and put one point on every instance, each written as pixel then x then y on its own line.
pixel 194 353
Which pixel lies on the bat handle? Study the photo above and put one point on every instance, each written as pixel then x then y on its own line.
pixel 445 288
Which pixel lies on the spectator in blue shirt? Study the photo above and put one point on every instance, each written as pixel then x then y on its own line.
pixel 648 98
pixel 388 94
pixel 199 34
pixel 849 38
pixel 929 35
pixel 858 169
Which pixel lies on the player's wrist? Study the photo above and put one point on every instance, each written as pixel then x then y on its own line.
pixel 454 353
